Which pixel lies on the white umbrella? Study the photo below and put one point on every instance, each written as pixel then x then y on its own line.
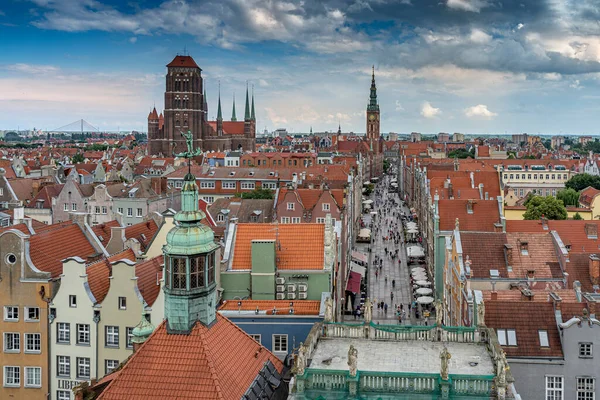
pixel 374 212
pixel 418 269
pixel 423 283
pixel 420 278
pixel 424 291
pixel 368 202
pixel 425 300
pixel 411 225
pixel 412 231
pixel 415 251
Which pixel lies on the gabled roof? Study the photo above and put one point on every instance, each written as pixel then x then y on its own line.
pixel 182 61
pixel 143 232
pixel 99 273
pixel 486 252
pixel 149 274
pixel 300 307
pixel 48 249
pixel 301 245
pixel 219 362
pixel 103 231
pixel 586 197
pixel 527 318
pixel 572 232
pixel 485 214
pixel 45 195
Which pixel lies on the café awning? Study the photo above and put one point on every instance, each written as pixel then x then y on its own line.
pixel 357 268
pixel 415 251
pixel 362 257
pixel 353 282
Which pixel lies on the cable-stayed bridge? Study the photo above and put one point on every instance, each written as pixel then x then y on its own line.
pixel 81 126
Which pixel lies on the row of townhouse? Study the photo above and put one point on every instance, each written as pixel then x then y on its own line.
pixel 69 307
pixel 129 203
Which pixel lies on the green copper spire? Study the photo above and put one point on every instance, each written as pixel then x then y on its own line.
pixel 219 114
pixel 233 118
pixel 253 115
pixel 190 261
pixel 373 105
pixel 247 113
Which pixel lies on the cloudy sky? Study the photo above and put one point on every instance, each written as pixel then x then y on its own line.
pixel 473 66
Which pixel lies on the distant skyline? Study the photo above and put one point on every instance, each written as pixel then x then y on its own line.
pixel 470 66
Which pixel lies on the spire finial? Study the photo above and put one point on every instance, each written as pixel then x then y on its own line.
pixel 233 117
pixel 252 113
pixel 247 108
pixel 219 113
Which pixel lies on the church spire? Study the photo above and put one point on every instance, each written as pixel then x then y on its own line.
pixel 253 115
pixel 373 105
pixel 219 113
pixel 233 118
pixel 247 113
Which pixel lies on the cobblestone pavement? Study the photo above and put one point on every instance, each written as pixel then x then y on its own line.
pixel 378 288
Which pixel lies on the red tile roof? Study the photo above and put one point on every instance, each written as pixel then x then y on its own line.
pixel 587 196
pixel 219 362
pixel 183 61
pixel 149 274
pixel 48 249
pixel 485 214
pixel 233 128
pixel 103 231
pixel 301 307
pixel 301 245
pixel 572 232
pixel 527 318
pixel 486 252
pixel 99 272
pixel 148 229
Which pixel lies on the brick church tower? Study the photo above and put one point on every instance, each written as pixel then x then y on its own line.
pixel 373 133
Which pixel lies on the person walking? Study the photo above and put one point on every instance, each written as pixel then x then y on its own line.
pixel 385 307
pixel 392 295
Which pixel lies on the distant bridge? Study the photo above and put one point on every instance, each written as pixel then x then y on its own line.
pixel 81 126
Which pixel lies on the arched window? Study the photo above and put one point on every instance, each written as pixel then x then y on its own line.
pixel 196 272
pixel 178 273
pixel 210 267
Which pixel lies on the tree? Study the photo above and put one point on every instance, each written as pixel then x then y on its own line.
pixel 569 197
pixel 545 206
pixel 581 181
pixel 461 153
pixel 386 166
pixel 258 193
pixel 577 216
pixel 78 158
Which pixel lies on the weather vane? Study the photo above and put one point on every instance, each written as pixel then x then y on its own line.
pixel 190 153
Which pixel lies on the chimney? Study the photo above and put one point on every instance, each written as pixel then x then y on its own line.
pixel 472 175
pixel 480 187
pixel 594 269
pixel 530 274
pixel 494 295
pixel 544 222
pixel 116 243
pixel 556 299
pixel 80 218
pixel 508 250
pixel 527 294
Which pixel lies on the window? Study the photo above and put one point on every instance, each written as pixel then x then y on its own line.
pixel 12 342
pixel 110 365
pixel 207 184
pixel 122 303
pixel 209 199
pixel 210 267
pixel 130 212
pixel 229 185
pixel 247 185
pixel 112 336
pixel 291 206
pixel 554 388
pixel 586 388
pixel 83 334
pixel 63 332
pixel 256 337
pixel 104 210
pixel 534 176
pixel 178 184
pixel 129 342
pixel 280 343
pixel 139 212
pixel 97 209
pixel 63 395
pixel 12 376
pixel 11 313
pixel 72 300
pixel 511 176
pixel 565 176
pixel 320 220
pixel 295 220
pixel 585 350
pixel 285 220
pixel 543 335
pixel 32 314
pixel 269 185
pixel 220 218
pixel 196 272
pixel 528 176
pixel 65 207
pixel 33 377
pixel 63 366
pixel 33 343
pixel 548 176
pixel 178 274
pixel 120 210
pixel 326 207
pixel 74 206
pixel 507 337
pixel 83 367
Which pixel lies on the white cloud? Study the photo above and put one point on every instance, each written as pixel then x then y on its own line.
pixel 276 119
pixel 428 111
pixel 399 106
pixel 32 68
pixel 467 5
pixel 132 39
pixel 576 84
pixel 480 111
pixel 520 26
pixel 479 36
pixel 263 83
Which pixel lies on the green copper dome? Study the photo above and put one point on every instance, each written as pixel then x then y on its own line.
pixel 142 331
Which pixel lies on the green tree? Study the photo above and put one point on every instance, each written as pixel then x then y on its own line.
pixel 461 153
pixel 386 165
pixel 581 181
pixel 545 206
pixel 577 216
pixel 77 158
pixel 569 197
pixel 258 193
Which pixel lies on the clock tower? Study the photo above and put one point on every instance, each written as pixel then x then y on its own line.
pixel 373 116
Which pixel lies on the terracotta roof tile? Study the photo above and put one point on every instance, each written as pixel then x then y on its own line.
pixel 48 249
pixel 103 231
pixel 143 232
pixel 526 318
pixel 182 61
pixel 572 232
pixel 486 252
pixel 149 274
pixel 301 245
pixel 219 362
pixel 301 307
pixel 485 214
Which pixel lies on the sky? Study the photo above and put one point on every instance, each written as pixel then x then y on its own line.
pixel 471 66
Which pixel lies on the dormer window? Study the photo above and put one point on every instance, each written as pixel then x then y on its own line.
pixel 220 218
pixel 291 206
pixel 524 246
